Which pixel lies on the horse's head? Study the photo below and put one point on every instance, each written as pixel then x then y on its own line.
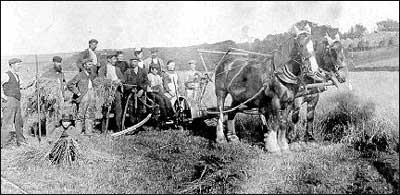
pixel 304 48
pixel 331 57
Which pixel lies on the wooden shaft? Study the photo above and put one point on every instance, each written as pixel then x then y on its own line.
pixel 221 52
pixel 38 98
pixel 329 83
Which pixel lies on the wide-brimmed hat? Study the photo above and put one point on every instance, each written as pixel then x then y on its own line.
pixel 67 117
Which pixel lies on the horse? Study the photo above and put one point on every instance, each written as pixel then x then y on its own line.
pixel 331 59
pixel 268 84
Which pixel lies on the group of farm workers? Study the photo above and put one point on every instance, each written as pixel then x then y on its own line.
pixel 159 81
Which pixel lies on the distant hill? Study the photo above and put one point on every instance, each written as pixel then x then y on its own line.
pixel 181 55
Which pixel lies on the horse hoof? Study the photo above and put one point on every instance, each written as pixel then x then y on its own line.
pixel 221 140
pixel 233 138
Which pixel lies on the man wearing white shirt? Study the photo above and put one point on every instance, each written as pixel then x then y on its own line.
pixel 89 54
pixel 11 94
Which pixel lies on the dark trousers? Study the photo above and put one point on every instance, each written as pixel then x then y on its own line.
pixel 117 106
pixel 166 109
pixel 12 116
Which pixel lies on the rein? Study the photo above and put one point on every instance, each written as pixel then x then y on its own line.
pixel 241 104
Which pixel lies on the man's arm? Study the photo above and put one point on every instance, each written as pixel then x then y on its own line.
pixel 120 75
pixel 4 79
pixel 71 85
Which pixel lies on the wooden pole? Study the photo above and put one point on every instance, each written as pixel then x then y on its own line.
pixel 38 98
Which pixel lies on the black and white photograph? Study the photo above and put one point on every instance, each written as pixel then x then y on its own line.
pixel 200 97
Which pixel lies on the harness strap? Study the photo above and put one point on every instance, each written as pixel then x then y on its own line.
pixel 241 104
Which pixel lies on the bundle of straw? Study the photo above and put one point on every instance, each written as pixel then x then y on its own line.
pixel 65 151
pixel 104 93
pixel 51 101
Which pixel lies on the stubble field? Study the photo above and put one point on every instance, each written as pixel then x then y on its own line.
pixel 182 162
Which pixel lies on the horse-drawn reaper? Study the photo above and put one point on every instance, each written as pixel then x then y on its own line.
pixel 268 83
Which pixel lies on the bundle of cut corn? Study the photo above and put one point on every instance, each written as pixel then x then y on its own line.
pixel 104 93
pixel 65 151
pixel 51 99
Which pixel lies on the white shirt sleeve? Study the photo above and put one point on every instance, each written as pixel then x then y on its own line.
pixel 4 78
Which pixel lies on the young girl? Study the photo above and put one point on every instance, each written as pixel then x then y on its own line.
pixel 66 128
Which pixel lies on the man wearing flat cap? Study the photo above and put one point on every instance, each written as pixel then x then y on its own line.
pixel 11 94
pixel 192 81
pixel 136 82
pixel 90 54
pixel 154 61
pixel 110 71
pixel 55 74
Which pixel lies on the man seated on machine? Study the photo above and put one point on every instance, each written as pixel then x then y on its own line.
pixel 156 92
pixel 136 83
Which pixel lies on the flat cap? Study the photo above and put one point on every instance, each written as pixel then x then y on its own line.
pixel 93 41
pixel 134 58
pixel 57 59
pixel 14 60
pixel 111 55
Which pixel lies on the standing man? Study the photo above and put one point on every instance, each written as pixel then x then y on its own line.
pixel 82 88
pixel 121 64
pixel 110 71
pixel 154 61
pixel 89 54
pixel 54 73
pixel 192 82
pixel 11 93
pixel 139 55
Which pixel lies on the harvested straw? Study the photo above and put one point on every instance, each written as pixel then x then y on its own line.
pixel 65 151
pixel 51 101
pixel 104 93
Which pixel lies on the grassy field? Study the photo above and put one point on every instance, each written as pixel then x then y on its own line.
pixel 187 162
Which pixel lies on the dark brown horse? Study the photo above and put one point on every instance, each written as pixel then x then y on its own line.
pixel 331 59
pixel 269 85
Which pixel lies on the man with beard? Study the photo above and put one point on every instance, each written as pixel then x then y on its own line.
pixel 56 74
pixel 82 88
pixel 89 54
pixel 121 64
pixel 110 71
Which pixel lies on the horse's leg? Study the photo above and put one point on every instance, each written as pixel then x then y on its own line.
pixel 221 95
pixel 295 117
pixel 311 105
pixel 231 132
pixel 270 137
pixel 282 140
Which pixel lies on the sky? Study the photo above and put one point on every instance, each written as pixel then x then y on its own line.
pixel 53 27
